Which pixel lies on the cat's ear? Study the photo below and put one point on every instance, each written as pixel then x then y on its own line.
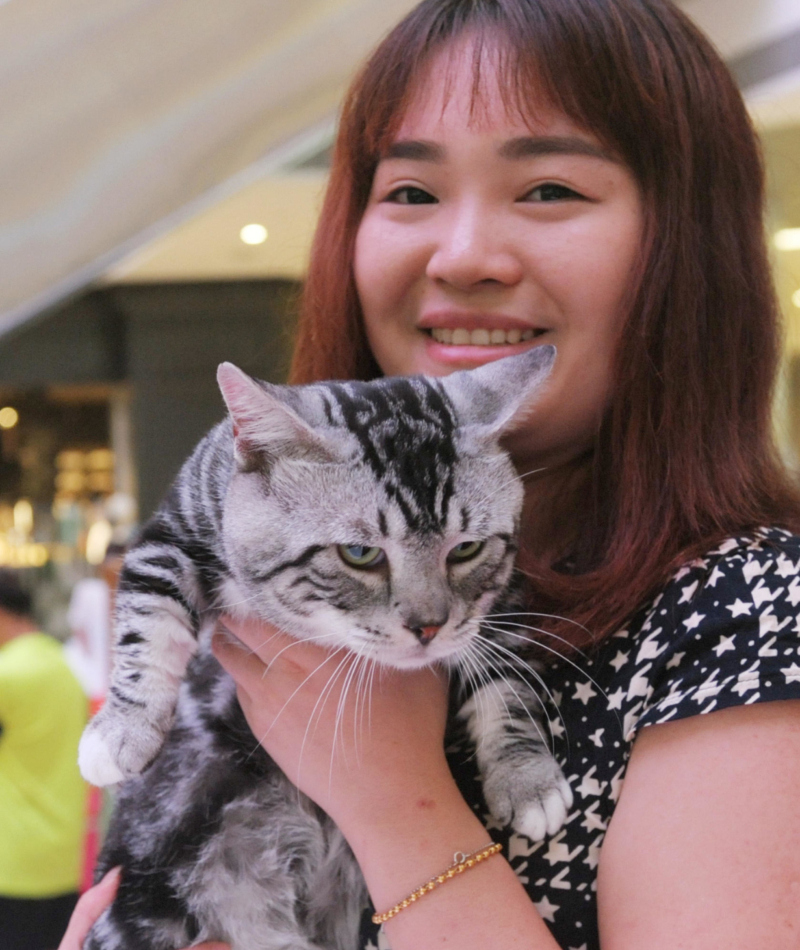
pixel 262 422
pixel 494 397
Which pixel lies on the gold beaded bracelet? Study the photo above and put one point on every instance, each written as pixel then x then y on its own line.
pixel 461 862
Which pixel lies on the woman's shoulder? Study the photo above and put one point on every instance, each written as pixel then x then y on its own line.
pixel 724 631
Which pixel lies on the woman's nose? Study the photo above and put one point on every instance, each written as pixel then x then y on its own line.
pixel 473 248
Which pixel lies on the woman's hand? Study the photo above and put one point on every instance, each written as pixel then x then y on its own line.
pixel 91 906
pixel 355 737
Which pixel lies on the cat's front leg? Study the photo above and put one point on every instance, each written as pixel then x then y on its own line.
pixel 156 636
pixel 522 782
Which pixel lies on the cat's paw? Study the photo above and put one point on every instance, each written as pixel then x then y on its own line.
pixel 113 748
pixel 533 798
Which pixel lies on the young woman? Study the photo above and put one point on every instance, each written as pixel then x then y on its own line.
pixel 577 172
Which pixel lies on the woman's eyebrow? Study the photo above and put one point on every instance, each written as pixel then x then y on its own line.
pixel 532 146
pixel 416 150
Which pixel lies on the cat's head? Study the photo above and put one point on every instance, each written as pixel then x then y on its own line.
pixel 379 516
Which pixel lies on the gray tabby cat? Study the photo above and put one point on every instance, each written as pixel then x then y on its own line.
pixel 382 516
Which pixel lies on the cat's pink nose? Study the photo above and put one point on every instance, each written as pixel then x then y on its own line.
pixel 425 634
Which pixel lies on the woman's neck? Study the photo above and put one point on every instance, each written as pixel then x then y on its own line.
pixel 554 511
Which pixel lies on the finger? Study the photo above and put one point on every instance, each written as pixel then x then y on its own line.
pixel 272 645
pixel 241 663
pixel 88 910
pixel 257 635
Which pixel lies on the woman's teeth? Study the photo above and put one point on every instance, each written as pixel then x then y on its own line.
pixel 463 337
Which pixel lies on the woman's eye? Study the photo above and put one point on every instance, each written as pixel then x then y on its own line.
pixel 552 192
pixel 465 551
pixel 409 195
pixel 359 555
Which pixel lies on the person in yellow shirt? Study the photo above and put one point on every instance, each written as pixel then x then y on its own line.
pixel 42 796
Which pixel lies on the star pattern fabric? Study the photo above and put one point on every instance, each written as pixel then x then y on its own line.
pixel 725 631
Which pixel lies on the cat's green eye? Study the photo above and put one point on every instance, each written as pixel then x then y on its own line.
pixel 359 555
pixel 465 551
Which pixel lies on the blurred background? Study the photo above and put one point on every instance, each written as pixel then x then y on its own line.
pixel 161 168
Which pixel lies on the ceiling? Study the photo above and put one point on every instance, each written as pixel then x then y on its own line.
pixel 141 135
pixel 120 117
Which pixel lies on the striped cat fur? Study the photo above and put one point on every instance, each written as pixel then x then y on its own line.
pixel 265 520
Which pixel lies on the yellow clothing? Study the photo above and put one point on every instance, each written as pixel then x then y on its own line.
pixel 42 795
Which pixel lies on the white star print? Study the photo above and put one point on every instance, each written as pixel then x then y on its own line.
pixel 747 680
pixel 688 592
pixel 739 608
pixel 616 783
pixel 768 623
pixel 556 729
pixel 753 569
pixel 793 593
pixel 558 852
pixel 591 820
pixel 762 594
pixel 619 660
pixel 640 684
pixel 596 738
pixel 650 649
pixel 785 568
pixel 725 644
pixel 559 880
pixel 675 661
pixel 590 785
pixel 768 648
pixel 792 673
pixel 694 621
pixel 615 698
pixel 716 574
pixel 584 692
pixel 593 856
pixel 546 910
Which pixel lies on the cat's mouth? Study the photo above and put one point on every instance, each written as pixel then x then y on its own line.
pixel 482 336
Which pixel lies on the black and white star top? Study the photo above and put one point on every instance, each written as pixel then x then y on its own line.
pixel 725 631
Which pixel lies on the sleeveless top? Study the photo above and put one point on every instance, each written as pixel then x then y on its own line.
pixel 725 631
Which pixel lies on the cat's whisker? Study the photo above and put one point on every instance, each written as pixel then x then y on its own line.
pixel 480 645
pixel 294 643
pixel 535 613
pixel 341 705
pixel 560 656
pixel 499 623
pixel 533 471
pixel 518 663
pixel 543 646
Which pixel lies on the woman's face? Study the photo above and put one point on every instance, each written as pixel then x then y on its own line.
pixel 486 236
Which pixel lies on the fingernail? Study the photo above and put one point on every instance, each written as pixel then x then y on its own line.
pixel 111 876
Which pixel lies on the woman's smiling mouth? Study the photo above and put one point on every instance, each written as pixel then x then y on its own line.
pixel 482 336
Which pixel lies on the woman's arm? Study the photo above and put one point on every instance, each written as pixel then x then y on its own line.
pixel 703 851
pixel 376 764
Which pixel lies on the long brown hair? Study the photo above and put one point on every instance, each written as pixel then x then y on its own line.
pixel 685 455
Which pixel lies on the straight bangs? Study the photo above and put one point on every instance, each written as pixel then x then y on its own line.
pixel 685 455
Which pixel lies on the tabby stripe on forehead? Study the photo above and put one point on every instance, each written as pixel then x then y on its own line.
pixel 304 558
pixel 405 430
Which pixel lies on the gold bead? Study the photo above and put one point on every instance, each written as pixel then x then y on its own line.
pixel 442 878
pixel 470 862
pixel 405 903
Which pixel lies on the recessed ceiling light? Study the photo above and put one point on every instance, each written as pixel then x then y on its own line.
pixel 788 239
pixel 8 418
pixel 254 234
pixel 796 298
